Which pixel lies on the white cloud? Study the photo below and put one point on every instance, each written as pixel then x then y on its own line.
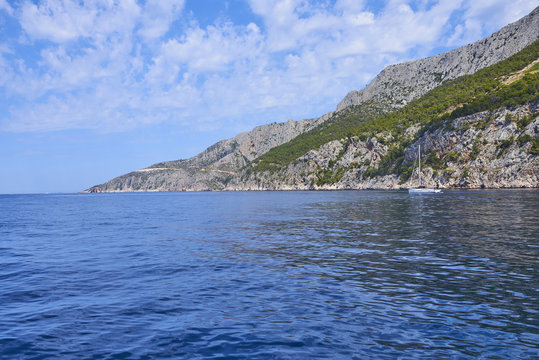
pixel 113 65
pixel 4 5
pixel 488 16
pixel 353 6
pixel 157 17
pixel 214 48
pixel 56 20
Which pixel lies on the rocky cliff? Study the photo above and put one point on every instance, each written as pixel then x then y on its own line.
pixel 490 149
pixel 399 84
pixel 215 166
pixel 353 162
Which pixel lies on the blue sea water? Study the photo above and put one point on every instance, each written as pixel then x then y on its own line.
pixel 270 275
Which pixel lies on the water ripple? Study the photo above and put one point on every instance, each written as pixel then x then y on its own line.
pixel 287 275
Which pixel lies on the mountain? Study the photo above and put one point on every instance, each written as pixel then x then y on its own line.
pixel 399 84
pixel 445 103
pixel 478 130
pixel 213 168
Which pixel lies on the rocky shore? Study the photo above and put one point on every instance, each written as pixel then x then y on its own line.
pixel 488 149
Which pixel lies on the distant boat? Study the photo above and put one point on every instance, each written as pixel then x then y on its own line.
pixel 421 188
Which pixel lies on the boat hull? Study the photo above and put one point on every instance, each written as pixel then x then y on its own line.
pixel 424 191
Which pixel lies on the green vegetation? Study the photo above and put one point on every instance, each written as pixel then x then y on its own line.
pixel 509 117
pixel 329 175
pixel 535 147
pixel 456 98
pixel 452 157
pixel 534 68
pixel 522 139
pixel 339 126
pixel 392 162
pixel 526 120
pixel 434 161
pixel 448 173
pixel 475 152
pixel 504 144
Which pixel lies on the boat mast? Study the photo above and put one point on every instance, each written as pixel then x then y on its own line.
pixel 419 160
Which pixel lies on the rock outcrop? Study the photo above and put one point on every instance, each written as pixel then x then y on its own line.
pixel 399 84
pixel 347 164
pixel 490 149
pixel 215 166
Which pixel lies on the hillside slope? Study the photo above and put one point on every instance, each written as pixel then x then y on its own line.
pixel 251 160
pixel 399 84
pixel 212 168
pixel 478 130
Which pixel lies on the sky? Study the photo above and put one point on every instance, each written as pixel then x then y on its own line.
pixel 90 90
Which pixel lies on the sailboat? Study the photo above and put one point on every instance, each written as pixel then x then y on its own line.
pixel 422 189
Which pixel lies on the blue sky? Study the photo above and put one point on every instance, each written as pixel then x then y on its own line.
pixel 90 90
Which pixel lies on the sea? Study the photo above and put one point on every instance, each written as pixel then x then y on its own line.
pixel 270 275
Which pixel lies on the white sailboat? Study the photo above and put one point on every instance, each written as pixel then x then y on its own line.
pixel 422 189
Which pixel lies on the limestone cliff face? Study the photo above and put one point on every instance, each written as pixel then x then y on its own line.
pixel 215 166
pixel 344 164
pixel 484 150
pixel 399 84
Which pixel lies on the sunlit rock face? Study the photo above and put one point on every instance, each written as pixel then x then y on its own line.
pixel 399 84
pixel 487 157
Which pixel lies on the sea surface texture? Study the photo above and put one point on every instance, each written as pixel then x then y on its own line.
pixel 270 275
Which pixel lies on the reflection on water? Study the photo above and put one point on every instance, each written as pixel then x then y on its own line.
pixel 271 275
